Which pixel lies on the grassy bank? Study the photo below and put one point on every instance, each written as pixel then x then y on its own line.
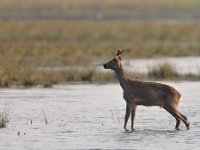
pixel 38 43
pixel 29 78
pixel 27 45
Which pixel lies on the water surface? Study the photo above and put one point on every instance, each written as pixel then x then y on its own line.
pixel 91 116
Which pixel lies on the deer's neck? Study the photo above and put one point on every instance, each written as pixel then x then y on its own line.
pixel 121 77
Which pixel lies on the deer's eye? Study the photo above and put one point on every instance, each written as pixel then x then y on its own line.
pixel 115 59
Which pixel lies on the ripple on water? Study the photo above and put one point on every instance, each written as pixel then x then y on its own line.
pixel 83 118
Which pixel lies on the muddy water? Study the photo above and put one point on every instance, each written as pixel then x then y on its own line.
pixel 91 116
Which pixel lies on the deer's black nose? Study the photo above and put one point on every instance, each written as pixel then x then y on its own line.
pixel 105 67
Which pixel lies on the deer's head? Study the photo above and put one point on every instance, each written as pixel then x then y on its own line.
pixel 115 63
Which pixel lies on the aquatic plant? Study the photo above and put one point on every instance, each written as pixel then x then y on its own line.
pixel 4 117
pixel 45 117
pixel 4 82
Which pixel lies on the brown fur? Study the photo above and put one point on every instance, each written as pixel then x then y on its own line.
pixel 146 93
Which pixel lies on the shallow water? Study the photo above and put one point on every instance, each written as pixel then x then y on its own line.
pixel 91 116
pixel 183 65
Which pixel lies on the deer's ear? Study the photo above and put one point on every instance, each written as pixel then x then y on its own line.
pixel 118 55
pixel 119 52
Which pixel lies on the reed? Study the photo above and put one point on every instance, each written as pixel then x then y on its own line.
pixel 4 117
pixel 163 71
pixel 27 45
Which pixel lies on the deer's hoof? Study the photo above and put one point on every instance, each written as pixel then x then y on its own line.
pixel 126 130
pixel 132 129
pixel 188 126
pixel 177 128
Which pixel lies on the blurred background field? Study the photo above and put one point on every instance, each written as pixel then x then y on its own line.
pixel 109 10
pixel 37 34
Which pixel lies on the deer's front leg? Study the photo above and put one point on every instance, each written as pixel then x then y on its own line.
pixel 133 116
pixel 128 111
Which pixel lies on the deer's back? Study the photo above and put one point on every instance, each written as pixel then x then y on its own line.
pixel 151 93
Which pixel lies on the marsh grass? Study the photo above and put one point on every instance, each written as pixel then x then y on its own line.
pixel 4 81
pixel 89 75
pixel 4 117
pixel 116 116
pixel 33 77
pixel 189 76
pixel 27 45
pixel 45 117
pixel 48 78
pixel 163 71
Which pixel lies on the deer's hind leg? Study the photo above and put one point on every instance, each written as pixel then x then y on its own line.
pixel 174 113
pixel 178 116
pixel 184 119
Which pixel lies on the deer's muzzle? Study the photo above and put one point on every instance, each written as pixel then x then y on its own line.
pixel 105 66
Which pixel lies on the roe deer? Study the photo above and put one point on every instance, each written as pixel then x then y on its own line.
pixel 146 93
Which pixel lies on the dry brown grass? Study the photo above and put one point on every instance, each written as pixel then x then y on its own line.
pixel 6 3
pixel 27 45
pixel 33 44
pixel 164 71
